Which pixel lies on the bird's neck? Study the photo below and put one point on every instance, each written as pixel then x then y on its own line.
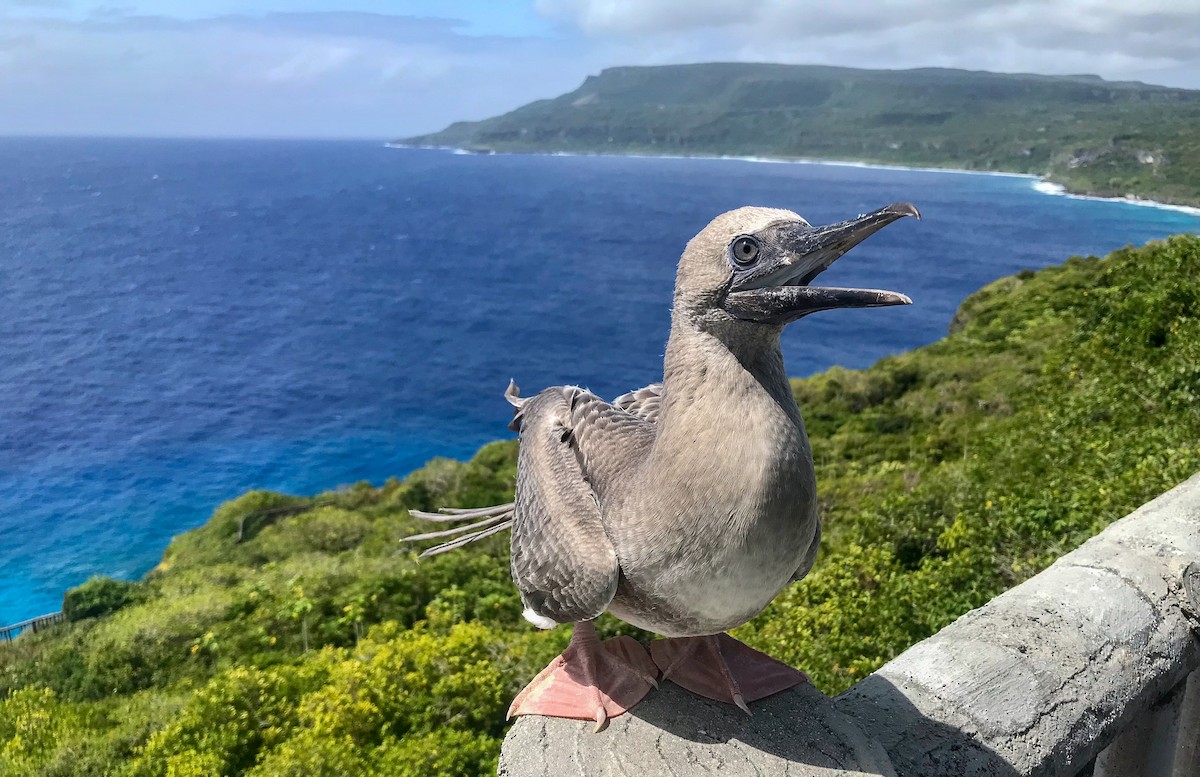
pixel 711 376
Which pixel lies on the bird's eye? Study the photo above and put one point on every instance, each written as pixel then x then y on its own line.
pixel 745 250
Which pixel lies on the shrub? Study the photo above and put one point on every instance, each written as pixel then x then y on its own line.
pixel 99 596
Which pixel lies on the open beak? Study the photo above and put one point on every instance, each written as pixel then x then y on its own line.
pixel 778 292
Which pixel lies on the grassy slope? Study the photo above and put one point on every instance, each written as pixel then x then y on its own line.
pixel 1094 136
pixel 317 644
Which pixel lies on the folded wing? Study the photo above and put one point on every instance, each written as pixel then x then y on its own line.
pixel 572 445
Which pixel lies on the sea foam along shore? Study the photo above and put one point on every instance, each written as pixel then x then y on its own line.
pixel 1040 184
pixel 1058 190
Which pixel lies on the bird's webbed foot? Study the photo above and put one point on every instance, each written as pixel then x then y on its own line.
pixel 721 668
pixel 591 680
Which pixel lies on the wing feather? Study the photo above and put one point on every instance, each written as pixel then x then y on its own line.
pixel 644 403
pixel 573 445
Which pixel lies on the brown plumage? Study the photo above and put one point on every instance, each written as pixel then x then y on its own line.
pixel 684 507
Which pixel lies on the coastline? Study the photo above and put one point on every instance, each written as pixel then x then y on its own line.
pixel 1046 186
pixel 1041 184
pixel 1019 188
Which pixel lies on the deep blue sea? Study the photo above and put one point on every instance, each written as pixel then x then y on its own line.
pixel 181 321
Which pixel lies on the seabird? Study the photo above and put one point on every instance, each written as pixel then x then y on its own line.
pixel 682 508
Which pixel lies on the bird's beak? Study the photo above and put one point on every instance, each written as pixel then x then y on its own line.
pixel 778 292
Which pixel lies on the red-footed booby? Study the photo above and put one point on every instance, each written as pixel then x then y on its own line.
pixel 685 507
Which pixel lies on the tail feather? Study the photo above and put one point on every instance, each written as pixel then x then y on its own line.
pixel 494 519
pixel 445 514
pixel 457 529
pixel 466 512
pixel 458 542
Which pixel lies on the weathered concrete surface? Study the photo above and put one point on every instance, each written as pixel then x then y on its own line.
pixel 1150 745
pixel 1039 681
pixel 1187 743
pixel 673 732
pixel 1046 675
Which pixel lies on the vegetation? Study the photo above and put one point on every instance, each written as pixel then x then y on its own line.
pixel 98 596
pixel 1093 136
pixel 293 636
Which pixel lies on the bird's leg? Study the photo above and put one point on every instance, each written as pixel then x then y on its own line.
pixel 591 680
pixel 721 668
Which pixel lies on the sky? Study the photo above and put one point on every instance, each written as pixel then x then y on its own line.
pixel 391 68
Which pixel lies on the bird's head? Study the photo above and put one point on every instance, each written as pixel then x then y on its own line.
pixel 755 265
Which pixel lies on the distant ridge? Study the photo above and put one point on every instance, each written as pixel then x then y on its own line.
pixel 1108 138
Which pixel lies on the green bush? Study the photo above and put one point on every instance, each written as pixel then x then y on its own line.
pixel 99 596
pixel 299 636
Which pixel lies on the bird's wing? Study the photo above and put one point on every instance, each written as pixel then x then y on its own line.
pixel 573 444
pixel 810 557
pixel 643 403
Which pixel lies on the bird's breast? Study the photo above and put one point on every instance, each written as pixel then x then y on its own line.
pixel 719 525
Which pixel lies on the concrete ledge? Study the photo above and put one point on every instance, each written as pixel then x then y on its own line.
pixel 1047 674
pixel 674 732
pixel 1039 681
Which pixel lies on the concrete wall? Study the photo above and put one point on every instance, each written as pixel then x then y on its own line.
pixel 1083 666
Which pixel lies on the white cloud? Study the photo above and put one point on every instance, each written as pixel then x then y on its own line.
pixel 319 74
pixel 630 17
pixel 66 70
pixel 312 62
pixel 1150 39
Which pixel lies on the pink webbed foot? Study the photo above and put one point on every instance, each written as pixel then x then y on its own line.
pixel 721 668
pixel 591 680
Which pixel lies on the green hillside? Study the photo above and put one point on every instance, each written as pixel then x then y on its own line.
pixel 298 636
pixel 1094 136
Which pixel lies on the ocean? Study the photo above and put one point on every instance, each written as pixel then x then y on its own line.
pixel 181 321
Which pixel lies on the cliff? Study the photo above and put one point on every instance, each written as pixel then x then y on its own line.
pixel 1094 136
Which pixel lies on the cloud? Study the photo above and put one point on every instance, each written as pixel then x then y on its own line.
pixel 286 74
pixel 66 68
pixel 603 17
pixel 1150 39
